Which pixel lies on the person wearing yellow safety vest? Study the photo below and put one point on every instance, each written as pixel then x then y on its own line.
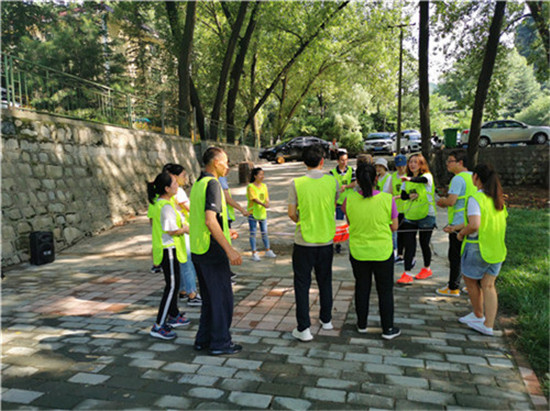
pixel 258 203
pixel 418 191
pixel 188 282
pixel 346 183
pixel 168 251
pixel 311 205
pixel 384 179
pixel 460 189
pixel 398 242
pixel 484 248
pixel 212 252
pixel 372 217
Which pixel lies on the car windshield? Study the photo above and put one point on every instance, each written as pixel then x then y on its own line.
pixel 379 136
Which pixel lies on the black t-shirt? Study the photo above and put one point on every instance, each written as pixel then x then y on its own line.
pixel 213 202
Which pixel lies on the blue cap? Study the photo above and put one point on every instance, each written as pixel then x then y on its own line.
pixel 400 160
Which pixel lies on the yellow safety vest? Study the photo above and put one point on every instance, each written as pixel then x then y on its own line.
pixel 199 234
pixel 492 230
pixel 157 231
pixel 396 184
pixel 256 210
pixel 343 180
pixel 380 184
pixel 470 190
pixel 316 208
pixel 419 208
pixel 370 235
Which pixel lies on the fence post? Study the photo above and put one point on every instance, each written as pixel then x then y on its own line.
pixel 7 77
pixel 129 102
pixel 162 113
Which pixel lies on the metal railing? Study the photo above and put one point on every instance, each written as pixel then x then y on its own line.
pixel 30 86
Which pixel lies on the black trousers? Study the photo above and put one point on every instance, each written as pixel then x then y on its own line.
pixel 217 305
pixel 169 301
pixel 454 261
pixel 409 237
pixel 304 260
pixel 400 241
pixel 363 272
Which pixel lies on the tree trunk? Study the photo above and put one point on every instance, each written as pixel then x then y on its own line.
pixel 542 25
pixel 235 76
pixel 423 83
pixel 199 112
pixel 484 82
pixel 290 63
pixel 222 84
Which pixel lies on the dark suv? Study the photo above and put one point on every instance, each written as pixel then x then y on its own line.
pixel 292 149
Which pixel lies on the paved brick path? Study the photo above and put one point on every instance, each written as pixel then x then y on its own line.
pixel 75 335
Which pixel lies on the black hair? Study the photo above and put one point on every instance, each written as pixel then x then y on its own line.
pixel 254 173
pixel 313 155
pixel 158 187
pixel 342 153
pixel 175 169
pixel 210 154
pixel 366 177
pixel 491 184
pixel 460 155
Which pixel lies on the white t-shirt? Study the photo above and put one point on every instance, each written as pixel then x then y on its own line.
pixel 181 196
pixel 388 185
pixel 168 222
pixel 473 209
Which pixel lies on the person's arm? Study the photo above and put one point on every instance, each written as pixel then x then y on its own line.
pixel 394 224
pixel 217 233
pixel 292 212
pixel 474 221
pixel 231 201
pixel 448 201
pixel 419 179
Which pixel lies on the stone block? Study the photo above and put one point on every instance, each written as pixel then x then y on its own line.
pixel 71 234
pixel 10 145
pixel 24 169
pixel 54 172
pixel 291 403
pixel 56 208
pixel 48 184
pixel 14 213
pixel 23 228
pixel 8 128
pixel 43 158
pixel 256 401
pixel 28 132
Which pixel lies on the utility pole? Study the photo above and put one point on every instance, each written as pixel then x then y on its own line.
pixel 400 26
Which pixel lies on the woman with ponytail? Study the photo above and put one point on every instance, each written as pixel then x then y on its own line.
pixel 483 248
pixel 168 252
pixel 372 216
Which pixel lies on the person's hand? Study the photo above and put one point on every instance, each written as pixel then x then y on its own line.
pixel 341 189
pixel 234 235
pixel 440 202
pixel 234 257
pixel 448 229
pixel 246 213
pixel 413 196
pixel 405 178
pixel 460 236
pixel 266 205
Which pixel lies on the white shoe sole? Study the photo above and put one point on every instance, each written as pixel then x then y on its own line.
pixel 296 334
pixel 391 337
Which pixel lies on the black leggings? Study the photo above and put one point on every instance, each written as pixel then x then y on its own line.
pixel 409 238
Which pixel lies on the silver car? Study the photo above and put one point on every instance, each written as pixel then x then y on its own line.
pixel 381 142
pixel 509 131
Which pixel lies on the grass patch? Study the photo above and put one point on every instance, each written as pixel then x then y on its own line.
pixel 523 285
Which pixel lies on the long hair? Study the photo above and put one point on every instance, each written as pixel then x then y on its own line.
pixel 422 165
pixel 158 186
pixel 366 177
pixel 254 173
pixel 491 184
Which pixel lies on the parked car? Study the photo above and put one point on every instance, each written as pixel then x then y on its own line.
pixel 381 142
pixel 292 149
pixel 509 131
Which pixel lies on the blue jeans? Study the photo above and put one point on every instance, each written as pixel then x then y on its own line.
pixel 263 229
pixel 188 275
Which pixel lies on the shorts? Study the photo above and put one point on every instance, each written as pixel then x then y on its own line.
pixel 426 222
pixel 474 266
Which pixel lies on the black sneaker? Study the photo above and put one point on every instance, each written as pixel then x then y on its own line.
pixel 156 269
pixel 391 333
pixel 196 301
pixel 233 275
pixel 232 349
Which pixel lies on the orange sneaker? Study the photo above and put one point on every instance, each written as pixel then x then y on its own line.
pixel 405 279
pixel 424 273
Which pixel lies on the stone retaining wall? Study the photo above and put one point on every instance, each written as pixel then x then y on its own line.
pixel 516 165
pixel 77 178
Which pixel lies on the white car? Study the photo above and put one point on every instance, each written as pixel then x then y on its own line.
pixel 386 143
pixel 509 131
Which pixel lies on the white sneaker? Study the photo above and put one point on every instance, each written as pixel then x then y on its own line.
pixel 327 326
pixel 303 336
pixel 471 318
pixel 255 257
pixel 361 330
pixel 481 328
pixel 270 253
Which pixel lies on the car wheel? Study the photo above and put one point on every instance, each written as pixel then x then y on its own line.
pixel 484 142
pixel 540 138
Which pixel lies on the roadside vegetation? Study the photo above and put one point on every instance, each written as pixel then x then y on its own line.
pixel 524 286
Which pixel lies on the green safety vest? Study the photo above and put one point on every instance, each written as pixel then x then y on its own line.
pixel 380 183
pixel 370 235
pixel 199 234
pixel 419 208
pixel 343 180
pixel 316 208
pixel 179 240
pixel 492 230
pixel 396 184
pixel 256 210
pixel 470 190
